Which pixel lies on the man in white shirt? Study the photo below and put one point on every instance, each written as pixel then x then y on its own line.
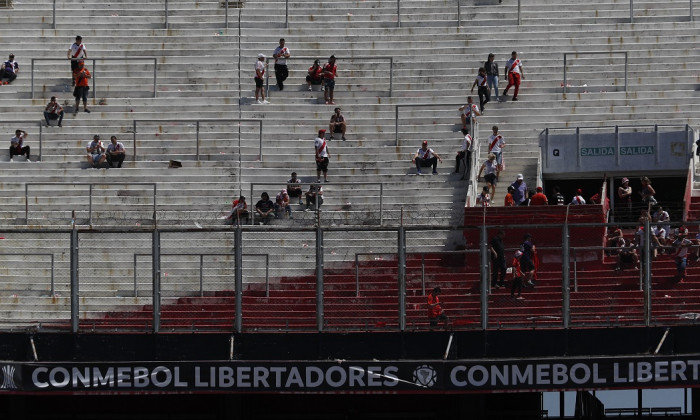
pixel 496 145
pixel 17 147
pixel 470 109
pixel 281 55
pixel 115 153
pixel 425 156
pixel 514 73
pixel 322 156
pixel 76 52
pixel 259 77
pixel 95 152
pixel 53 111
pixel 465 153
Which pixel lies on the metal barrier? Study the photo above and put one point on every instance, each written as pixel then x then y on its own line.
pixel 595 53
pixel 197 126
pixel 52 288
pixel 692 18
pixel 94 66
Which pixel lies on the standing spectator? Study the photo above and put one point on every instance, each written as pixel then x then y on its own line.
pixel 647 191
pixel 614 236
pixel 95 152
pixel 624 195
pixel 330 71
pixel 508 201
pixel 435 313
pixel 239 211
pixel 282 205
pixel 492 74
pixel 483 199
pixel 661 216
pixel 425 156
pixel 281 55
pixel 338 124
pixel 76 53
pixel 322 156
pixel 557 196
pixel 314 197
pixel 578 198
pixel 265 208
pixel 17 147
pixel 469 112
pixel 315 75
pixel 514 72
pixel 9 69
pixel 465 154
pixel 115 153
pixel 82 86
pixel 294 187
pixel 681 244
pixel 259 78
pixel 538 199
pixel 528 260
pixel 498 260
pixel 53 111
pixel 490 167
pixel 483 91
pixel 519 190
pixel 517 275
pixel 496 146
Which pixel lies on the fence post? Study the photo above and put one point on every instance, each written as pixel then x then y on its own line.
pixel 201 271
pixel 90 205
pixel 286 14
pixel 319 276
pixel 564 73
pixel 238 280
pixel 136 292
pixel 226 15
pixel 396 125
pixel 647 273
pixel 41 132
pixel 626 71
pixel 519 20
pixel 483 254
pixel 94 77
pixel 155 256
pixel 402 277
pixel 155 76
pixel 53 284
pixel 32 72
pixel 166 14
pixel 631 11
pixel 357 275
pixel 53 24
pixel 74 285
pixel 391 76
pixel 381 204
pixel 197 131
pixel 565 280
pixel 398 13
pixel 691 11
pixel 459 13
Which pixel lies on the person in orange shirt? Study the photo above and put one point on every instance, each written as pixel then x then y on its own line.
pixel 509 201
pixel 434 309
pixel 82 86
pixel 538 199
pixel 517 276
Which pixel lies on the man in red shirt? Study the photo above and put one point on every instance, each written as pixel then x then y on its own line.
pixel 330 70
pixel 539 199
pixel 434 309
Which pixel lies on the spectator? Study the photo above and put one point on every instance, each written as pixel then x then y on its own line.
pixel 281 54
pixel 614 236
pixel 330 72
pixel 315 75
pixel 514 72
pixel 527 260
pixel 465 154
pixel 260 67
pixel 661 216
pixel 314 197
pixel 435 313
pixel 491 68
pixel 282 205
pixel 626 256
pixel 483 91
pixel 239 211
pixel 76 53
pixel 17 147
pixel 597 198
pixel 115 152
pixel 496 146
pixel 9 70
pixel 681 244
pixel 95 152
pixel 490 167
pixel 508 201
pixel 483 199
pixel 82 86
pixel 519 190
pixel 624 195
pixel 498 260
pixel 647 191
pixel 426 157
pixel 53 111
pixel 337 124
pixel 322 156
pixel 265 209
pixel 557 196
pixel 658 240
pixel 470 110
pixel 294 187
pixel 578 198
pixel 538 199
pixel 517 275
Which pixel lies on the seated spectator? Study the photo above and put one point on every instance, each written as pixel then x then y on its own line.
pixel 239 211
pixel 17 147
pixel 9 70
pixel 538 199
pixel 115 153
pixel 614 235
pixel 282 205
pixel 265 209
pixel 315 75
pixel 490 176
pixel 294 187
pixel 483 199
pixel 435 313
pixel 578 198
pixel 469 112
pixel 338 124
pixel 509 201
pixel 53 111
pixel 315 191
pixel 426 157
pixel 658 240
pixel 627 257
pixel 661 216
pixel 95 152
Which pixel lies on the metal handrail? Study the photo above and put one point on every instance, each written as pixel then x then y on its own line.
pixel 94 66
pixel 90 187
pixel 52 290
pixel 381 194
pixel 312 57
pixel 424 105
pixel 596 53
pixel 206 120
pixel 201 267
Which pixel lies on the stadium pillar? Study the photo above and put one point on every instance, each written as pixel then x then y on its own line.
pixel 319 277
pixel 565 278
pixel 646 253
pixel 402 278
pixel 238 272
pixel 483 254
pixel 155 255
pixel 74 302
